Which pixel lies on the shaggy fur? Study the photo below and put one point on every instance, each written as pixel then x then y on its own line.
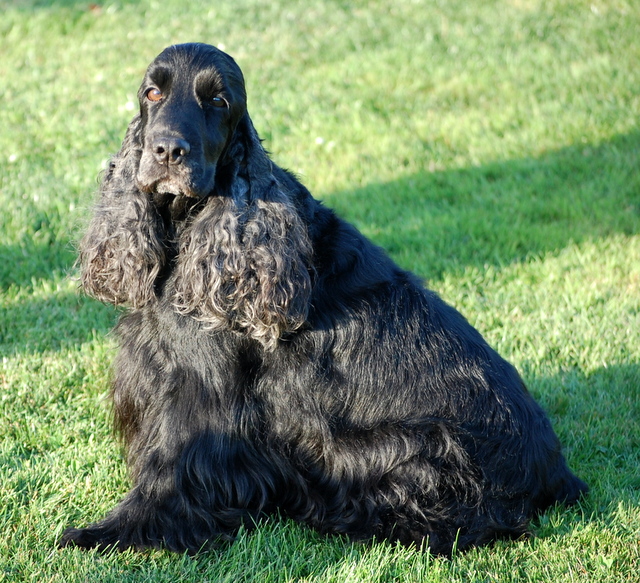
pixel 274 360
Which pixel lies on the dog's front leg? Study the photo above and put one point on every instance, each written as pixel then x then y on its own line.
pixel 215 484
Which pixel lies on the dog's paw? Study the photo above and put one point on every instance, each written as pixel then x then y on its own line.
pixel 87 538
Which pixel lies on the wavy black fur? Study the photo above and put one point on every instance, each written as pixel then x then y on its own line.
pixel 273 359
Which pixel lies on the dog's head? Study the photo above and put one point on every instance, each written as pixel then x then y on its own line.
pixel 192 198
pixel 191 100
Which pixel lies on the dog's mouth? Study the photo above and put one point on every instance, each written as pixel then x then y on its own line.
pixel 176 188
pixel 177 206
pixel 190 180
pixel 185 186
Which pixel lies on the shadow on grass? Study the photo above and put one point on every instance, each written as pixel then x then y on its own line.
pixel 22 265
pixel 597 417
pixel 437 222
pixel 60 321
pixel 40 309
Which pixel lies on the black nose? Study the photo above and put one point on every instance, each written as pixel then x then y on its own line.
pixel 170 150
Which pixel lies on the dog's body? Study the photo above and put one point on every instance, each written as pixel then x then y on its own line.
pixel 276 360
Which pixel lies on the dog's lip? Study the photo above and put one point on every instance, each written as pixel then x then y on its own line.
pixel 186 182
pixel 167 187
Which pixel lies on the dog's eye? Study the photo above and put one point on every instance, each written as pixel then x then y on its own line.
pixel 154 94
pixel 219 102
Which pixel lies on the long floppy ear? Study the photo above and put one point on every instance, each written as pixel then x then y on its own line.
pixel 244 262
pixel 122 251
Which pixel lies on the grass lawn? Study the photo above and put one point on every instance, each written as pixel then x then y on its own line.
pixel 493 147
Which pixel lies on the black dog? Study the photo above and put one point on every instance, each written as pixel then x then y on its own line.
pixel 273 359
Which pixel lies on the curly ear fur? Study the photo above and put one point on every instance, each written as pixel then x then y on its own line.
pixel 244 261
pixel 122 251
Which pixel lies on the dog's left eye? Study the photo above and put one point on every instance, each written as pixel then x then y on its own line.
pixel 218 102
pixel 154 94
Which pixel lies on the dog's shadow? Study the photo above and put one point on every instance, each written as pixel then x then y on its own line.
pixel 440 222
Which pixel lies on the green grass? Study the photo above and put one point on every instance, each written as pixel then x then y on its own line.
pixel 492 147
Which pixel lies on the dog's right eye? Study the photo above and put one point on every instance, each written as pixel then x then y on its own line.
pixel 154 94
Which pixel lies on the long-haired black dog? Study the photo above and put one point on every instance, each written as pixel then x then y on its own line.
pixel 274 360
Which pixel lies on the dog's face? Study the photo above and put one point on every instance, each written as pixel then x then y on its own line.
pixel 191 100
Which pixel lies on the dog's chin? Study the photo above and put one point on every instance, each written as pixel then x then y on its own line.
pixel 178 206
pixel 175 196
